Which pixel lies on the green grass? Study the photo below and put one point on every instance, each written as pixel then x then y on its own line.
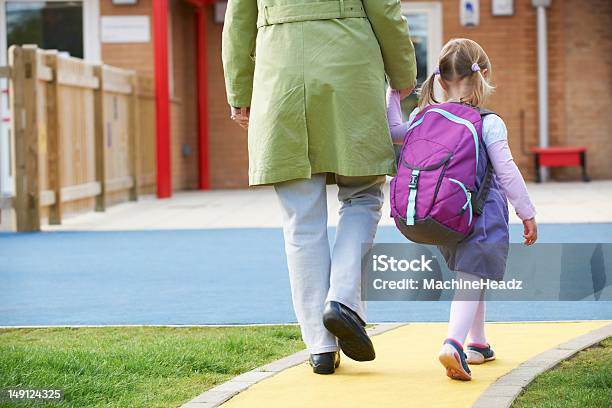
pixel 584 381
pixel 136 366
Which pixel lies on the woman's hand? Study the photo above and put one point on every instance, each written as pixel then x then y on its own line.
pixel 530 231
pixel 241 116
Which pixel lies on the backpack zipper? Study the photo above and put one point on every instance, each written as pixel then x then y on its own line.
pixel 468 196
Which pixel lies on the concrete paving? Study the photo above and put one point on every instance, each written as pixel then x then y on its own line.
pixel 503 392
pixel 567 202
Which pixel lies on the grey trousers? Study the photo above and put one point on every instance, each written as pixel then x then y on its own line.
pixel 318 275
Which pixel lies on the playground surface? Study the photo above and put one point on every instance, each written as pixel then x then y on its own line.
pixel 183 276
pixel 109 268
pixel 406 371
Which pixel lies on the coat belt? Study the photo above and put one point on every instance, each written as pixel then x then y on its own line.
pixel 325 10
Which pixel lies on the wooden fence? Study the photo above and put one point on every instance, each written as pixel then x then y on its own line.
pixel 146 135
pixel 79 129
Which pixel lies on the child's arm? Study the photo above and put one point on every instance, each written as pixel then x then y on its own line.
pixel 509 177
pixel 397 126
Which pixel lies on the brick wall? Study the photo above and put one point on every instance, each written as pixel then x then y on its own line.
pixel 510 43
pixel 184 99
pixel 588 61
pixel 578 39
pixel 139 56
pixel 228 141
pixel 579 83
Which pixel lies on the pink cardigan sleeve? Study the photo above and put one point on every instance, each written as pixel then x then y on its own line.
pixel 397 126
pixel 510 179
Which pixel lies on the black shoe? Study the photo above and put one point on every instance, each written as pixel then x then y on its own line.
pixel 343 323
pixel 325 363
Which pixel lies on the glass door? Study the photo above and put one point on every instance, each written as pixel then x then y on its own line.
pixel 56 25
pixel 64 25
pixel 52 25
pixel 425 23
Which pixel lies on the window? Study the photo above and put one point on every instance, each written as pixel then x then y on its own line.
pixel 54 25
pixel 64 25
pixel 425 23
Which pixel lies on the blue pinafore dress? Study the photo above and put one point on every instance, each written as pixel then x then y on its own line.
pixel 485 251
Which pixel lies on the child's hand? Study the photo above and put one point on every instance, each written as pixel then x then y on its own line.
pixel 530 231
pixel 404 93
pixel 241 116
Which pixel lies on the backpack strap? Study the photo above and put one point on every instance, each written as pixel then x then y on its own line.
pixel 411 208
pixel 479 199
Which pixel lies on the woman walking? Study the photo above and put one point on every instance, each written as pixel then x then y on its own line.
pixel 307 78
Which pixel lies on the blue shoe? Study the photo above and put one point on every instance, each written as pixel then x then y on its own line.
pixel 479 353
pixel 453 359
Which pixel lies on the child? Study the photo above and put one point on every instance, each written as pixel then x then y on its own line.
pixel 464 72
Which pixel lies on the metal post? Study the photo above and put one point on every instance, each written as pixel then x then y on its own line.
pixel 202 84
pixel 541 6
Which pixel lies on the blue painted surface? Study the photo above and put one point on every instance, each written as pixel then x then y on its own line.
pixel 205 277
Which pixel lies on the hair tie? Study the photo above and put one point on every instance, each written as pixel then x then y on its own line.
pixel 436 70
pixel 475 67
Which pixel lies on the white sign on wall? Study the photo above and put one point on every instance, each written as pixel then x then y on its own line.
pixel 469 14
pixel 125 29
pixel 502 7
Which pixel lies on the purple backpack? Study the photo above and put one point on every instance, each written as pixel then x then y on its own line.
pixel 443 175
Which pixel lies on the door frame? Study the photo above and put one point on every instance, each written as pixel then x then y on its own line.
pixel 433 11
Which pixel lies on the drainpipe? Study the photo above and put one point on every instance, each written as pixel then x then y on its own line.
pixel 201 15
pixel 541 6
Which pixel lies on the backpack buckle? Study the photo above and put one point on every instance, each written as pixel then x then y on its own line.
pixel 414 178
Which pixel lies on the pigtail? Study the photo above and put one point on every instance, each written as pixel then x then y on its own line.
pixel 461 59
pixel 426 92
pixel 481 89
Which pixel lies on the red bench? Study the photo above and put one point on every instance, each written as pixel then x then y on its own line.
pixel 560 157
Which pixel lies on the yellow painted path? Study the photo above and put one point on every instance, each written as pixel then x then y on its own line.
pixel 406 372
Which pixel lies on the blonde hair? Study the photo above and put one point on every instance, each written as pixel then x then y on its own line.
pixel 456 60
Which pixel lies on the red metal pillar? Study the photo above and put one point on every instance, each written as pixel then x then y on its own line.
pixel 162 97
pixel 202 85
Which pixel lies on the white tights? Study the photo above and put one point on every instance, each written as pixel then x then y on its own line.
pixel 467 316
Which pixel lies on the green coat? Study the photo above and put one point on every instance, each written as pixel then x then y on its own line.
pixel 313 73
